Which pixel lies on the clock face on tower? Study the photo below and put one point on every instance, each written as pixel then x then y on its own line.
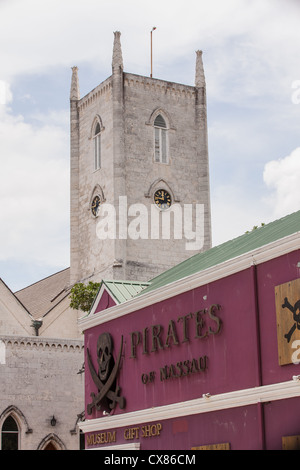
pixel 162 199
pixel 95 205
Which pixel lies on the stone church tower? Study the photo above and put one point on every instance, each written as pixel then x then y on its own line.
pixel 140 199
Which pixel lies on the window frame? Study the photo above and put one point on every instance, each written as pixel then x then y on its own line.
pixel 161 141
pixel 97 146
pixel 14 432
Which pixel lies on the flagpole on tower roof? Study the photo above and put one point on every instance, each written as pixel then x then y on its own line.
pixel 153 29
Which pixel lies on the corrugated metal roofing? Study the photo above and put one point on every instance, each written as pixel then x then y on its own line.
pixel 243 244
pixel 124 290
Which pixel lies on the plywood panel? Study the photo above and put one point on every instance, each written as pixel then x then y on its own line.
pixel 287 300
pixel 291 443
pixel 223 446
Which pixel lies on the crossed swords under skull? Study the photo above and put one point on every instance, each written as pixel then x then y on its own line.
pixel 107 373
pixel 296 317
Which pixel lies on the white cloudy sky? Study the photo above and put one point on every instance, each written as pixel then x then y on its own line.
pixel 252 67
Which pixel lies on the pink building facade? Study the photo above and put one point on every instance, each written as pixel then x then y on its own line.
pixel 206 361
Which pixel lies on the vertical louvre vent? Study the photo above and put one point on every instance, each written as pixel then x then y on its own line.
pixel 160 122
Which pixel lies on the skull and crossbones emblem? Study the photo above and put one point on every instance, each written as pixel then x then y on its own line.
pixel 104 355
pixel 108 391
pixel 296 317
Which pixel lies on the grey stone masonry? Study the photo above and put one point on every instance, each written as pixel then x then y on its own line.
pixel 39 380
pixel 125 106
pixel 74 176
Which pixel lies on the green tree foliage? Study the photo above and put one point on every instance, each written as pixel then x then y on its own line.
pixel 255 227
pixel 83 295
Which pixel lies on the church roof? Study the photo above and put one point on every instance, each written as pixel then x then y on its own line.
pixel 124 290
pixel 42 296
pixel 231 249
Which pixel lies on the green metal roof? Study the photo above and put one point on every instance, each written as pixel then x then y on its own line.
pixel 124 290
pixel 231 249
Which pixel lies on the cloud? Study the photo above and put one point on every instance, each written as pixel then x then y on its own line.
pixel 250 59
pixel 233 212
pixel 244 39
pixel 236 209
pixel 34 190
pixel 5 93
pixel 282 178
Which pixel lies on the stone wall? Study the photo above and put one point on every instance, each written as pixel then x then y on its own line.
pixel 39 379
pixel 94 256
pixel 185 175
pixel 126 106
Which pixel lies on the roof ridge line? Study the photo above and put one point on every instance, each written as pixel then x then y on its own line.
pixel 43 279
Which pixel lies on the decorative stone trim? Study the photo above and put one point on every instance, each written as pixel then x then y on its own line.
pixel 100 90
pixel 17 414
pixel 156 185
pixel 33 342
pixel 161 86
pixel 97 119
pixel 97 191
pixel 164 113
pixel 54 439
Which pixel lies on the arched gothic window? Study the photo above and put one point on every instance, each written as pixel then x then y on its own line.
pixel 97 147
pixel 9 434
pixel 160 139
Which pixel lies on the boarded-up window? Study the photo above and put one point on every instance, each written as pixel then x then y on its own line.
pixel 223 446
pixel 287 301
pixel 291 443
